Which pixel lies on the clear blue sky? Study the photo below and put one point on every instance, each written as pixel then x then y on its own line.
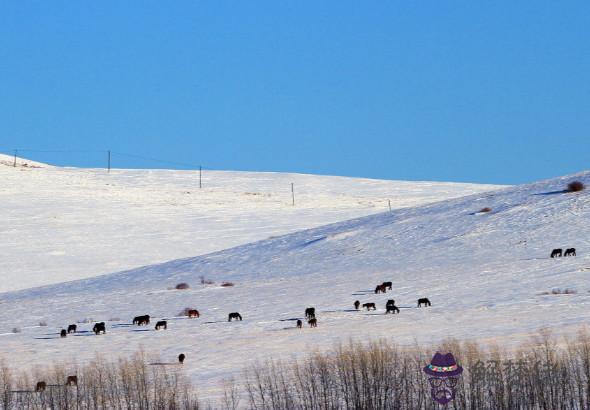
pixel 481 91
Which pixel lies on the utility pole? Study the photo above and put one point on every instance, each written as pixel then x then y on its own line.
pixel 109 161
pixel 200 177
pixel 293 193
pixel 15 152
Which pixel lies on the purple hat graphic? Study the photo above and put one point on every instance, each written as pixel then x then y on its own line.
pixel 443 366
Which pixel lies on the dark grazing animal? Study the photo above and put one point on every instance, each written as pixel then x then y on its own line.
pixel 193 313
pixel 299 324
pixel 369 306
pixel 380 289
pixel 41 386
pixel 99 327
pixel 181 358
pixel 72 328
pixel 424 301
pixel 72 381
pixel 556 253
pixel 570 252
pixel 310 312
pixel 390 302
pixel 313 322
pixel 357 304
pixel 161 324
pixel 141 320
pixel 388 285
pixel 63 333
pixel 234 315
pixel 391 309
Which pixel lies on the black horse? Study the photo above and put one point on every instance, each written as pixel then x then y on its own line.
pixel 72 328
pixel 570 252
pixel 556 253
pixel 181 358
pixel 390 302
pixel 299 324
pixel 234 315
pixel 391 309
pixel 310 312
pixel 388 285
pixel 99 327
pixel 424 301
pixel 63 333
pixel 357 304
pixel 141 320
pixel 161 324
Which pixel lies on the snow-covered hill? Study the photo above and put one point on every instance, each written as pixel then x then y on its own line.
pixel 61 224
pixel 486 274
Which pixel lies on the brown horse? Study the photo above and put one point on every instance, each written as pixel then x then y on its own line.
pixel 193 313
pixel 313 322
pixel 41 386
pixel 72 381
pixel 369 306
pixel 380 289
pixel 357 304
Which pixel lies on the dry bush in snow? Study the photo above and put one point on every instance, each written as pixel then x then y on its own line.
pixel 575 186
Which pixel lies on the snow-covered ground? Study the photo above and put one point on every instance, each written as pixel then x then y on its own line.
pixel 486 275
pixel 60 224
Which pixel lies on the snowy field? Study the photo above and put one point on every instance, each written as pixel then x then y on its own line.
pixel 60 224
pixel 486 274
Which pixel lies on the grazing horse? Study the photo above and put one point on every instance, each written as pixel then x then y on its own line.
pixel 309 313
pixel 357 304
pixel 570 252
pixel 380 289
pixel 99 327
pixel 299 324
pixel 388 285
pixel 63 333
pixel 556 253
pixel 161 324
pixel 369 306
pixel 234 315
pixel 41 386
pixel 193 313
pixel 313 322
pixel 72 381
pixel 424 301
pixel 141 320
pixel 391 309
pixel 390 302
pixel 72 328
pixel 181 358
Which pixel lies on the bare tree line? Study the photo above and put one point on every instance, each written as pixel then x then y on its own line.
pixel 382 375
pixel 368 376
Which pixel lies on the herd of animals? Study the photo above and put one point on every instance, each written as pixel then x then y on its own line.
pixel 390 307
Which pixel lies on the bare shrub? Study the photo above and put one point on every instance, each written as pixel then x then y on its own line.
pixel 227 284
pixel 205 281
pixel 185 311
pixel 86 320
pixel 182 286
pixel 42 323
pixel 486 209
pixel 16 330
pixel 575 186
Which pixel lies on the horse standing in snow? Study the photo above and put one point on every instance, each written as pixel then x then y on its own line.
pixel 72 328
pixel 309 313
pixel 380 289
pixel 161 324
pixel 556 253
pixel 570 252
pixel 424 301
pixel 357 304
pixel 193 313
pixel 234 315
pixel 99 327
pixel 388 285
pixel 369 306
pixel 313 322
pixel 299 324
